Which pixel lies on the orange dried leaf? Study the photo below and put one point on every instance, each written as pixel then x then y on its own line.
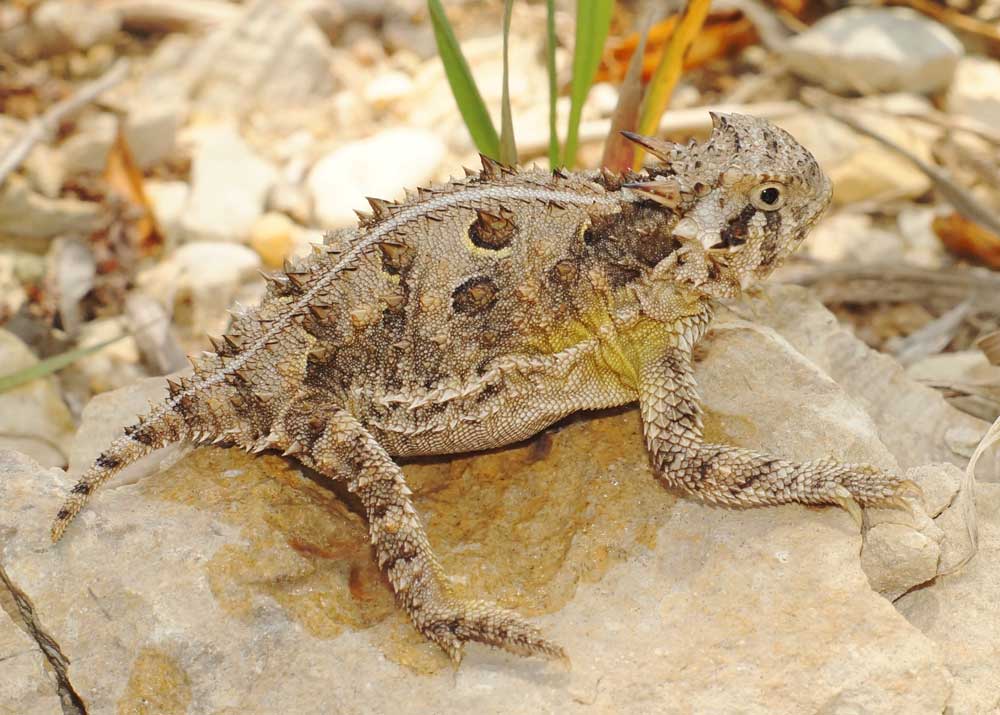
pixel 724 33
pixel 125 179
pixel 968 239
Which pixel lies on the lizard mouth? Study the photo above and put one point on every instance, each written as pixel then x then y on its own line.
pixel 727 244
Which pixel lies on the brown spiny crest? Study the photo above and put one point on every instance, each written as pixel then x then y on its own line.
pixel 475 313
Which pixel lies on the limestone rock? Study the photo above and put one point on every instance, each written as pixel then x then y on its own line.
pixel 199 282
pixel 73 24
pixel 272 238
pixel 263 596
pixel 27 215
pixel 229 184
pixel 33 418
pixel 848 236
pixel 940 484
pixel 268 55
pixel 876 50
pixel 959 613
pixel 897 557
pixel 975 91
pixel 340 181
pixel 388 89
pixel 876 381
pixel 86 150
pixel 151 130
pixel 168 199
pixel 26 687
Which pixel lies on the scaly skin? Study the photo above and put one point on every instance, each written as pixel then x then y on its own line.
pixel 475 314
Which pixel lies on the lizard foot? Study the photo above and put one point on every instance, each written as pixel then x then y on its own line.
pixel 872 487
pixel 459 622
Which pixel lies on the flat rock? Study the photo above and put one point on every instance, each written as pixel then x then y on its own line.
pixel 27 215
pixel 87 149
pixel 72 24
pixel 268 55
pixel 875 50
pixel 200 281
pixel 340 181
pixel 975 90
pixel 877 382
pixel 959 613
pixel 33 418
pixel 229 185
pixel 26 687
pixel 243 584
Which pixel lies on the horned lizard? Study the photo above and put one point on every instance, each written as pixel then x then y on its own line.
pixel 476 313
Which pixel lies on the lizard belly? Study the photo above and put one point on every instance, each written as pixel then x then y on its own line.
pixel 527 398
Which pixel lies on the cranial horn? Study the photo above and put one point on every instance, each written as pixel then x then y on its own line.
pixel 657 147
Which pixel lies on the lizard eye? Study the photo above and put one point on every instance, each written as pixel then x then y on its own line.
pixel 768 196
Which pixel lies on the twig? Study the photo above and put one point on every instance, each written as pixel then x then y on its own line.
pixel 175 16
pixel 954 19
pixel 894 283
pixel 48 123
pixel 933 337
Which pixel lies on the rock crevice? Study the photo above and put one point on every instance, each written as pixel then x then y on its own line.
pixel 22 612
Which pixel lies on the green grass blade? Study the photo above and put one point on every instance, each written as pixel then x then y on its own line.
pixel 508 148
pixel 44 368
pixel 593 19
pixel 463 86
pixel 550 66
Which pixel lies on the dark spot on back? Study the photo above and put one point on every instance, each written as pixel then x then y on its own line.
pixel 491 231
pixel 476 294
pixel 83 487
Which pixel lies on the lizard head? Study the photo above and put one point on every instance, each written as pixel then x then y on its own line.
pixel 744 200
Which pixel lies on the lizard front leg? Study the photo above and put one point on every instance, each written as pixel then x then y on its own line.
pixel 721 474
pixel 337 445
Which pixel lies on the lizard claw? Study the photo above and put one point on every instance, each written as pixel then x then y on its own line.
pixel 489 624
pixel 848 503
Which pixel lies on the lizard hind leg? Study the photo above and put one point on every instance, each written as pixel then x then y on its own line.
pixel 336 444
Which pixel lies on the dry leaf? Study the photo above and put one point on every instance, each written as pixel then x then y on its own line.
pixel 968 239
pixel 125 179
pixel 724 33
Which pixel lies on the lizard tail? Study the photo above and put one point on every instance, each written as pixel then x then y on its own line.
pixel 157 429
